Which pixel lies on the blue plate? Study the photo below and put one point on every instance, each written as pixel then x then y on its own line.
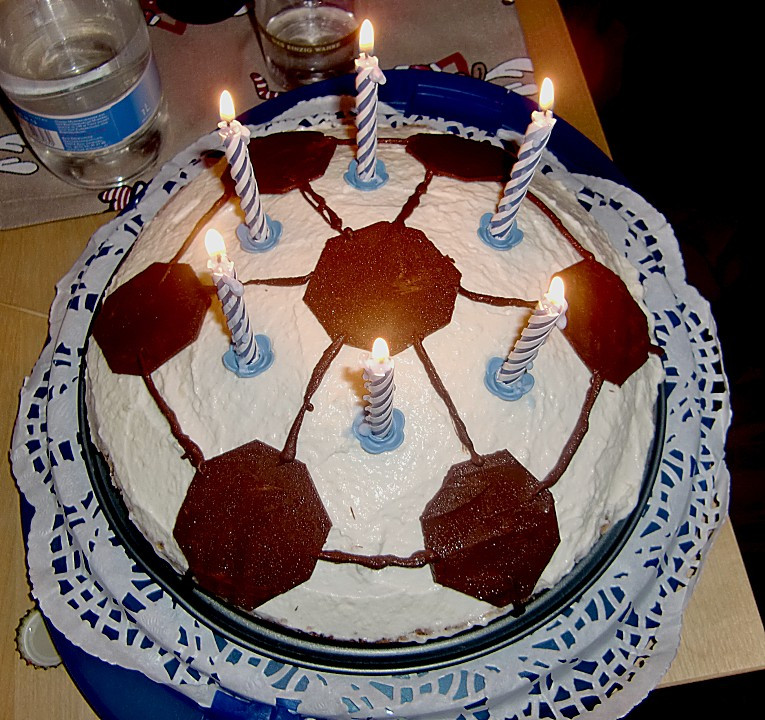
pixel 460 98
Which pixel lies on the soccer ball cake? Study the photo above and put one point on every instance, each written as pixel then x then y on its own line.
pixel 258 486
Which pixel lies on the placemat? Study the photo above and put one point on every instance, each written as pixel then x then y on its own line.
pixel 482 38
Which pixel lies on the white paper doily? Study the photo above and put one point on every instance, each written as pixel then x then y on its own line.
pixel 599 657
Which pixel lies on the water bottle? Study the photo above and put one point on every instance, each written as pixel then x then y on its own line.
pixel 82 81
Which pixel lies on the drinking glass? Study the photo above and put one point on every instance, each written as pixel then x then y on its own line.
pixel 305 41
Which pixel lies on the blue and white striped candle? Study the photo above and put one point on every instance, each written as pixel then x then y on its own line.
pixel 368 76
pixel 529 155
pixel 236 137
pixel 549 312
pixel 230 294
pixel 378 380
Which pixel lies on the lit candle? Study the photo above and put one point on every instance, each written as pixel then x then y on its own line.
pixel 511 379
pixel 366 172
pixel 380 426
pixel 259 233
pixel 249 354
pixel 500 229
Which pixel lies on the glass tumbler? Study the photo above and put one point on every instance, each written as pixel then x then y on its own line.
pixel 305 41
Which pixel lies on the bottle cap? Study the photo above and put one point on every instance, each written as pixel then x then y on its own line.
pixel 33 641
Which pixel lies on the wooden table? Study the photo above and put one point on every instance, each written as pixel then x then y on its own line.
pixel 722 633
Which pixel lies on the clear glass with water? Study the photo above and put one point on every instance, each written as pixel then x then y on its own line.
pixel 82 80
pixel 305 41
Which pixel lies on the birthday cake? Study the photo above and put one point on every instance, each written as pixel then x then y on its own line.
pixel 258 487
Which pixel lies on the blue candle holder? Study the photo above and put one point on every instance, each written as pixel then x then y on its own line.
pixel 376 445
pixel 251 245
pixel 506 391
pixel 265 359
pixel 509 240
pixel 378 179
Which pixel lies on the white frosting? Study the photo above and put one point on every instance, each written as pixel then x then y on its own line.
pixel 375 501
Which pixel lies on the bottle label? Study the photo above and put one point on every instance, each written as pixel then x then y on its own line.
pixel 101 129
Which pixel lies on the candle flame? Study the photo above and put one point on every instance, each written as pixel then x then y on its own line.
pixel 367 37
pixel 380 352
pixel 546 95
pixel 556 291
pixel 227 113
pixel 214 243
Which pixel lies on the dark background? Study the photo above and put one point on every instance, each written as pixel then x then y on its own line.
pixel 675 88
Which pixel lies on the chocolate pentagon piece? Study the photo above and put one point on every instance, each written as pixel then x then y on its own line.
pixel 386 280
pixel 289 160
pixel 151 318
pixel 460 158
pixel 251 526
pixel 491 530
pixel 605 325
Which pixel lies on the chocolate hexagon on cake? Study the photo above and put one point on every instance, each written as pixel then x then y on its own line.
pixel 605 326
pixel 490 530
pixel 286 161
pixel 456 157
pixel 251 526
pixel 385 280
pixel 151 318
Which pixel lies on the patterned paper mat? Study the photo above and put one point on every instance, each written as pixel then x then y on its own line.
pixel 482 38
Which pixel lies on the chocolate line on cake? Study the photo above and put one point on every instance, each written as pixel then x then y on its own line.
pixel 381 140
pixel 577 435
pixel 290 446
pixel 281 282
pixel 560 227
pixel 414 199
pixel 438 386
pixel 418 559
pixel 209 214
pixel 191 450
pixel 496 300
pixel 318 203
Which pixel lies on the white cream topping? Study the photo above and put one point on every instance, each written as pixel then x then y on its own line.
pixel 375 501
